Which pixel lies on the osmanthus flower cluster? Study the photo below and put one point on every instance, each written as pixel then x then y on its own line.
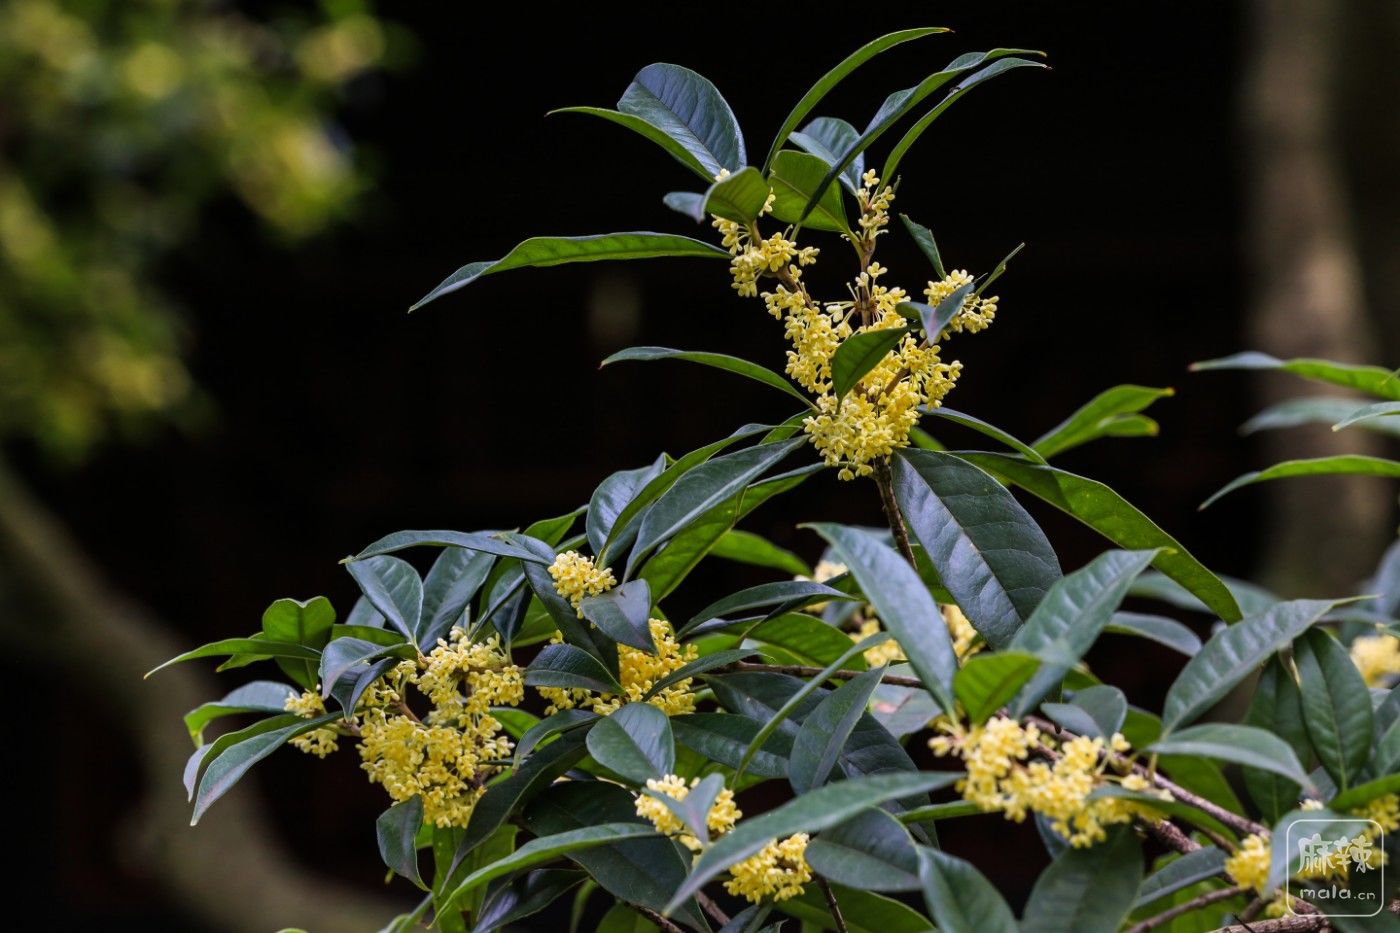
pixel 565 715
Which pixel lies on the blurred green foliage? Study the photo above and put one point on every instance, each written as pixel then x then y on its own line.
pixel 120 120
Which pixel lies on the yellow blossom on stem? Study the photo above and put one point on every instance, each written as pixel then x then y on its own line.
pixel 576 577
pixel 1249 865
pixel 720 820
pixel 1377 657
pixel 638 670
pixel 319 742
pixel 777 871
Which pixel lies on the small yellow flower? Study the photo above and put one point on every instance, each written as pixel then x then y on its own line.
pixel 319 742
pixel 720 820
pixel 1249 865
pixel 1377 657
pixel 576 577
pixel 778 871
pixel 638 671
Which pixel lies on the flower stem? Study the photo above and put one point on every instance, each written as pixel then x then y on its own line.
pixel 1196 903
pixel 834 907
pixel 885 484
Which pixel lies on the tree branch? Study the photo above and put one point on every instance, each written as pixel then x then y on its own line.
pixel 708 904
pixel 1196 903
pixel 833 905
pixel 885 483
pixel 666 925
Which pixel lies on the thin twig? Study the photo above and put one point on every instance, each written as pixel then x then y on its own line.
pixel 711 908
pixel 656 918
pixel 833 905
pixel 1196 903
pixel 885 484
pixel 1168 834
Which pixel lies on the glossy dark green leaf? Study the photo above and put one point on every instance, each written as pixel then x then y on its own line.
pixel 1087 890
pixel 1374 380
pixel 795 178
pixel 739 197
pixel 1162 630
pixel 1070 618
pixel 1251 598
pixel 872 851
pixel 923 238
pixel 901 148
pixel 1340 465
pixel 835 76
pixel 255 647
pixel 1365 793
pixel 826 729
pixel 675 147
pixel 396 831
pixel 903 604
pixel 959 897
pixel 862 911
pixel 558 250
pixel 902 710
pixel 823 807
pixel 566 720
pixel 211 750
pixel 345 654
pixel 1277 708
pixel 224 771
pixel 1096 712
pixel 989 430
pixel 564 616
pixel 1232 653
pixel 452 582
pixel 790 594
pixel 828 138
pixel 694 810
pixel 689 109
pixel 1336 706
pixel 260 696
pixel 988 551
pixel 353 684
pixel 1110 515
pixel 701 489
pixel 986 681
pixel 807 640
pixel 935 318
pixel 488 543
pixel 731 364
pixel 688 203
pixel 699 666
pixel 724 738
pixel 859 353
pixel 623 614
pixel 562 665
pixel 546 848
pixel 1320 409
pixel 612 496
pixel 745 547
pixel 634 742
pixel 1197 865
pixel 640 871
pixel 393 587
pixel 303 623
pixel 1094 419
pixel 1242 745
pixel 523 896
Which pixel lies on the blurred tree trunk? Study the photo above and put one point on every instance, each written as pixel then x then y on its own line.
pixel 1323 534
pixel 230 871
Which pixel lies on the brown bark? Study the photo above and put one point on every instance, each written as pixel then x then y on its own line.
pixel 230 871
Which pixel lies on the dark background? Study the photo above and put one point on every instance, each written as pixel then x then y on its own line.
pixel 339 418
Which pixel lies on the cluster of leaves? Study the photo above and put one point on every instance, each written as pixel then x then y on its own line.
pixel 785 693
pixel 122 121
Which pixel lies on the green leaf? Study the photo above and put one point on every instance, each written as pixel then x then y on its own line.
pixel 1336 705
pixel 795 178
pixel 1087 890
pixel 1096 712
pixel 1232 653
pixel 739 197
pixel 678 151
pixel 835 76
pixel 260 696
pixel 612 497
pixel 703 488
pixel 825 731
pixel 689 109
pixel 788 595
pixel 1365 793
pixel 864 912
pixel 731 364
pixel 990 430
pixel 524 896
pixel 990 553
pixel 393 587
pixel 986 681
pixel 1276 708
pixel 688 203
pixel 902 710
pixel 872 851
pixel 1096 417
pixel 827 138
pixel 699 666
pixel 1071 616
pixel 726 737
pixel 823 807
pixel 745 547
pixel 901 148
pixel 1242 745
pixel 487 543
pixel 694 810
pixel 623 614
pixel 634 742
pixel 397 831
pixel 303 623
pixel 561 665
pixel 960 897
pixel 923 238
pixel 254 648
pixel 550 847
pixel 1373 380
pixel 1368 413
pixel 807 640
pixel 1110 515
pixel 566 720
pixel 559 250
pixel 1340 465
pixel 231 764
pixel 903 604
pixel 1319 409
pixel 936 318
pixel 1197 865
pixel 1250 598
pixel 1000 269
pixel 344 654
pixel 858 354
pixel 1162 630
pixel 209 751
pixel 1288 832
pixel 452 582
pixel 639 871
